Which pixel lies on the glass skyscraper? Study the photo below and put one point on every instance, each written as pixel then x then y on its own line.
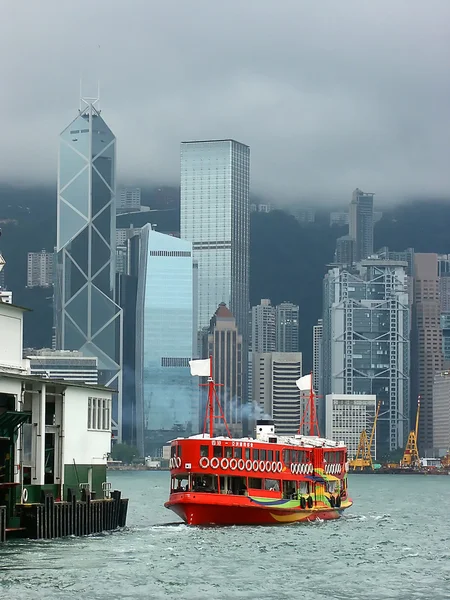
pixel 215 176
pixel 166 391
pixel 86 315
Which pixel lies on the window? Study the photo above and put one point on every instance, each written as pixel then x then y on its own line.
pixel 255 454
pixel 238 453
pixel 217 451
pixel 228 452
pixel 99 414
pixel 204 451
pixel 255 483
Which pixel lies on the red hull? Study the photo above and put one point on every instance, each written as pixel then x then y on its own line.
pixel 206 511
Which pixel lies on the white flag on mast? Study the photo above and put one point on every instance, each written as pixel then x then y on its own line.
pixel 200 367
pixel 304 383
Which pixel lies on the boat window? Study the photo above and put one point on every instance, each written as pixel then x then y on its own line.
pixel 204 483
pixel 270 455
pixel 204 451
pixel 179 447
pixel 247 453
pixel 303 487
pixel 331 487
pixel 180 483
pixel 262 455
pixel 289 489
pixel 238 453
pixel 255 483
pixel 255 454
pixel 272 485
pixel 217 451
pixel 228 451
pixel 287 457
pixel 277 455
pixel 233 485
pixel 172 451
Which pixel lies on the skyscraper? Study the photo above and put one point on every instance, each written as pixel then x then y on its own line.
pixel 215 177
pixel 428 356
pixel 128 199
pixel 366 341
pixel 287 327
pixel 167 395
pixel 40 269
pixel 86 315
pixel 263 327
pixel 275 390
pixel 361 224
pixel 223 342
pixel 317 349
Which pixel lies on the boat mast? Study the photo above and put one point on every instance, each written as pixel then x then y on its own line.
pixel 211 398
pixel 310 409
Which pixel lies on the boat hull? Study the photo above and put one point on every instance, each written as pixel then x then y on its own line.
pixel 220 510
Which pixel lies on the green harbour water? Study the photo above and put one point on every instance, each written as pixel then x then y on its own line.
pixel 393 543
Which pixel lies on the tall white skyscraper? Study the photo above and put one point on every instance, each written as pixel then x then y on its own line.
pixel 40 269
pixel 361 223
pixel 215 177
pixel 263 327
pixel 287 315
pixel 317 346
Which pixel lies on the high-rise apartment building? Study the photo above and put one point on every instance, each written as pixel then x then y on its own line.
pixel 441 413
pixel 317 350
pixel 428 357
pixel 69 365
pixel 86 316
pixel 275 390
pixel 223 342
pixel 166 394
pixel 366 341
pixel 346 417
pixel 215 177
pixel 128 199
pixel 345 250
pixel 263 327
pixel 40 269
pixel 287 327
pixel 361 223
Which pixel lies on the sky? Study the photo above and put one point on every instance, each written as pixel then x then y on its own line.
pixel 330 95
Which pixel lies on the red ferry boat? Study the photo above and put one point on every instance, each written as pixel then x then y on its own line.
pixel 268 479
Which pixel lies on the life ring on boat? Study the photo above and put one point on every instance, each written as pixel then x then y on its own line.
pixel 24 495
pixel 248 465
pixel 204 462
pixel 346 467
pixel 302 469
pixel 303 502
pixel 310 502
pixel 332 469
pixel 339 469
pixel 177 462
pixel 293 467
pixel 332 501
pixel 311 469
pixel 262 466
pixel 233 464
pixel 241 464
pixel 214 463
pixel 268 467
pixel 279 467
pixel 255 465
pixel 274 467
pixel 224 463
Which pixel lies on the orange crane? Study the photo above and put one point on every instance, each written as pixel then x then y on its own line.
pixel 363 458
pixel 411 455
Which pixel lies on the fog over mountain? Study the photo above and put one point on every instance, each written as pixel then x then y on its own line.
pixel 329 95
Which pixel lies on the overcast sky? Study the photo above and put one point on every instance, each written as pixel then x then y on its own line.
pixel 329 94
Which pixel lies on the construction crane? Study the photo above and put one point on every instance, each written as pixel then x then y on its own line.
pixel 411 455
pixel 363 458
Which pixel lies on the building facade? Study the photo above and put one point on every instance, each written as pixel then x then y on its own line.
pixel 215 179
pixel 263 327
pixel 223 342
pixel 317 350
pixel 366 341
pixel 86 316
pixel 361 224
pixel 441 413
pixel 69 365
pixel 428 355
pixel 128 199
pixel 166 394
pixel 40 269
pixel 347 415
pixel 275 390
pixel 287 327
